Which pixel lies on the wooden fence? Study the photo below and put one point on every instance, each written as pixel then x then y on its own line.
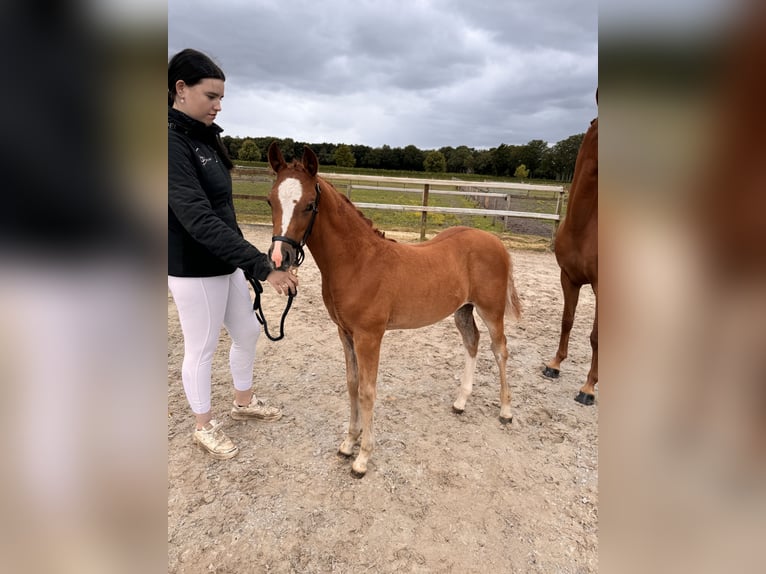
pixel 482 192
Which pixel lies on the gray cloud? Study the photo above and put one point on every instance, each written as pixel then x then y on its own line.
pixel 399 72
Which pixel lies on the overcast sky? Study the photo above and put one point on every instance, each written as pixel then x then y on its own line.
pixel 431 73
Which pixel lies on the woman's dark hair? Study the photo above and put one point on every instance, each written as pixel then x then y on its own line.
pixel 192 67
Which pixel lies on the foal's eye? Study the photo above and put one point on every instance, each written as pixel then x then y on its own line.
pixel 310 206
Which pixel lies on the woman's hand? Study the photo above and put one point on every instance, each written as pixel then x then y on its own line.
pixel 284 282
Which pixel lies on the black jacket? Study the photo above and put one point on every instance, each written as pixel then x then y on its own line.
pixel 204 239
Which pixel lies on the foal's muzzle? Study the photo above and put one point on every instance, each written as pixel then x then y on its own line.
pixel 285 253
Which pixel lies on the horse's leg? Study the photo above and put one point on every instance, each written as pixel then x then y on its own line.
pixel 367 346
pixel 495 322
pixel 571 296
pixel 352 383
pixel 467 327
pixel 587 394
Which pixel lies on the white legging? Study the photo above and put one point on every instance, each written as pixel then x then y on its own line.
pixel 204 305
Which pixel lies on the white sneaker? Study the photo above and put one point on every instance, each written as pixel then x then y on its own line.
pixel 257 409
pixel 212 438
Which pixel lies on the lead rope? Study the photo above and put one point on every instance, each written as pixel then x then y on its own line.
pixel 258 288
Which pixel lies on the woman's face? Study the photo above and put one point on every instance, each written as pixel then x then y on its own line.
pixel 202 101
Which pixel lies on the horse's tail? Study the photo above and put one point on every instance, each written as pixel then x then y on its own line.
pixel 513 302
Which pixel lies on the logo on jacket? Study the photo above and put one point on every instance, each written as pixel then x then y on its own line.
pixel 202 158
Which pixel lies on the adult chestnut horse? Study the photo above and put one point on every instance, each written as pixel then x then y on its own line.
pixel 576 250
pixel 371 284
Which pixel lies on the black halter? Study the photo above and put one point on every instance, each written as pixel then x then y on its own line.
pixel 299 257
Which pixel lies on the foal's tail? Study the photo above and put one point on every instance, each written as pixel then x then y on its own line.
pixel 512 297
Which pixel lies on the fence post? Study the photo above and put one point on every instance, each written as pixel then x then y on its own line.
pixel 348 189
pixel 424 214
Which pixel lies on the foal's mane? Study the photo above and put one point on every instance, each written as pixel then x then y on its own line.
pixel 354 208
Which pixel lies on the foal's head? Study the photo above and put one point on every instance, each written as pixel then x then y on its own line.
pixel 294 199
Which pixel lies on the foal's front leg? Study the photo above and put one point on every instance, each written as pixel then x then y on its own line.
pixel 346 448
pixel 367 348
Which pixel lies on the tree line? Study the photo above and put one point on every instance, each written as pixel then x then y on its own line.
pixel 534 160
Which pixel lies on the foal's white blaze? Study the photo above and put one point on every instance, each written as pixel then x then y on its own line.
pixel 289 193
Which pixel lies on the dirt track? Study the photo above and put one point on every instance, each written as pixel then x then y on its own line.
pixel 443 492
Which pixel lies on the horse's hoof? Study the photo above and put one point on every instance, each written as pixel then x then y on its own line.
pixel 506 421
pixel 551 373
pixel 344 454
pixel 585 398
pixel 357 474
pixel 457 410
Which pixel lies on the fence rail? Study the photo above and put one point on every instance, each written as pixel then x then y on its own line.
pixel 427 187
pixel 459 210
pixel 440 191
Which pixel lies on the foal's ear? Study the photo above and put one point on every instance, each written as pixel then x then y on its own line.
pixel 310 161
pixel 276 159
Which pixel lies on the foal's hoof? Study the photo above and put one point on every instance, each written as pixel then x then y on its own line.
pixel 551 373
pixel 346 448
pixel 358 470
pixel 457 410
pixel 506 420
pixel 585 398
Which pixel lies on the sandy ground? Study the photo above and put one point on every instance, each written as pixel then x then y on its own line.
pixel 443 492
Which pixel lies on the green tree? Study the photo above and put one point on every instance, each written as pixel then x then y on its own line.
pixel 460 160
pixel 521 172
pixel 387 158
pixel 502 159
pixel 325 152
pixel 344 157
pixel 370 158
pixel 531 155
pixel 249 151
pixel 559 161
pixel 482 162
pixel 288 148
pixel 232 146
pixel 412 158
pixel 435 162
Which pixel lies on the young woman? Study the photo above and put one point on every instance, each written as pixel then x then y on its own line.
pixel 207 255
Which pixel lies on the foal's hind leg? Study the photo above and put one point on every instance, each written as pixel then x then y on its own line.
pixel 352 383
pixel 495 323
pixel 571 296
pixel 467 327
